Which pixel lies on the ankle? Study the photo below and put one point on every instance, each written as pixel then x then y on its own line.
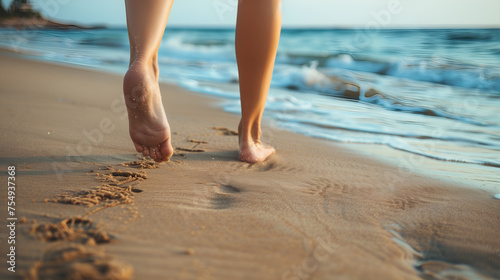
pixel 143 65
pixel 249 134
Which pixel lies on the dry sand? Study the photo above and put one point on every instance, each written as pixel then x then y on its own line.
pixel 94 210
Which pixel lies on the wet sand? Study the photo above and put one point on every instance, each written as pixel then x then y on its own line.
pixel 93 208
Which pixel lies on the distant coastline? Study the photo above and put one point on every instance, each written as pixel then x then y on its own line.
pixel 21 15
pixel 41 23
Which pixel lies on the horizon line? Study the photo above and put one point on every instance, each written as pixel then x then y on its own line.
pixel 324 27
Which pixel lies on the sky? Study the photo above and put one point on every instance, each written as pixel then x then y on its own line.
pixel 296 13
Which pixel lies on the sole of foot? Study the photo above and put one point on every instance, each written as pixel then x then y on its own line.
pixel 148 125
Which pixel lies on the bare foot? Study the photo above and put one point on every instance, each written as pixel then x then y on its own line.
pixel 253 151
pixel 148 125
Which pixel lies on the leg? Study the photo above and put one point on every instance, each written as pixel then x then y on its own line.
pixel 257 36
pixel 148 125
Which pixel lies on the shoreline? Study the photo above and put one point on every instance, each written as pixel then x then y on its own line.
pixel 455 173
pixel 206 215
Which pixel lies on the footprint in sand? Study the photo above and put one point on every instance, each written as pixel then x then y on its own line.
pixel 75 229
pixel 197 141
pixel 228 189
pixel 224 197
pixel 194 148
pixel 75 261
pixel 74 257
pixel 104 196
pixel 225 131
pixel 208 197
pixel 116 178
pixel 221 201
pixel 117 192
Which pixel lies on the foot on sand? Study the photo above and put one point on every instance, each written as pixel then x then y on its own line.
pixel 251 149
pixel 148 123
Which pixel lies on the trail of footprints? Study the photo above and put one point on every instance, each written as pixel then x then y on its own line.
pixel 225 131
pixel 75 254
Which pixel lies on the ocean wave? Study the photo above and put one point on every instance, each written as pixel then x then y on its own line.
pixel 343 85
pixel 306 78
pixel 215 47
pixel 437 70
pixel 177 47
pixel 433 70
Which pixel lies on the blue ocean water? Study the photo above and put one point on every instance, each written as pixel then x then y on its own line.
pixel 431 92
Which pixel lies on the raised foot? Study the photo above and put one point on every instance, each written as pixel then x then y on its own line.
pixel 148 125
pixel 255 152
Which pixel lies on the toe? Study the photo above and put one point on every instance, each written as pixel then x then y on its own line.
pixel 145 152
pixel 267 152
pixel 138 148
pixel 159 156
pixel 152 152
pixel 166 150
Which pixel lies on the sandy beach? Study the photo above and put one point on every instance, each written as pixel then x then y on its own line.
pixel 87 206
